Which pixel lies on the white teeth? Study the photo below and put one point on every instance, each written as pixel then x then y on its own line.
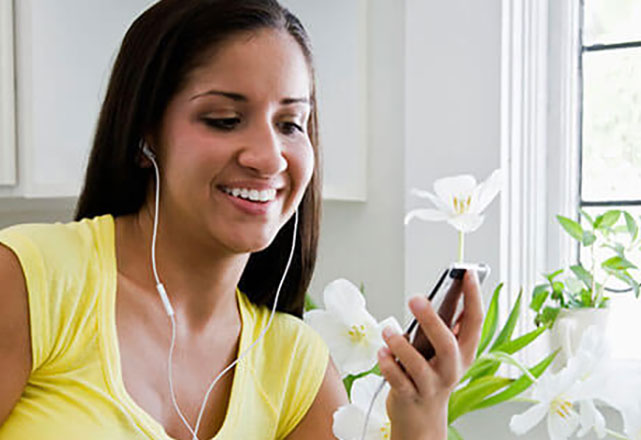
pixel 254 195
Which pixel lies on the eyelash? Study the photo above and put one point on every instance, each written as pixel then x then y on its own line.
pixel 228 124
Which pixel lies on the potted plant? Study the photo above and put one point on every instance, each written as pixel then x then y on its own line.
pixel 577 298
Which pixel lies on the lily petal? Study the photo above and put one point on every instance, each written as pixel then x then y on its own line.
pixel 440 205
pixel 487 191
pixel 591 418
pixel 455 186
pixel 466 222
pixel 562 427
pixel 348 422
pixel 522 423
pixel 363 390
pixel 432 215
pixel 389 322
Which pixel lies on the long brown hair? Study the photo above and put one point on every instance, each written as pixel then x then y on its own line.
pixel 159 50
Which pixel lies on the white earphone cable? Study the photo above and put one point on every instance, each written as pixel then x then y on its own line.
pixel 170 312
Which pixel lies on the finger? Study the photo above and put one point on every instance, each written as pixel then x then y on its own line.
pixel 414 363
pixel 394 375
pixel 472 320
pixel 442 339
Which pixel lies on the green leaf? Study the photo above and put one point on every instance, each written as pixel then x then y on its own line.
pixel 519 385
pixel 571 227
pixel 485 365
pixel 539 295
pixel 618 248
pixel 508 359
pixel 617 263
pixel 309 303
pixel 491 321
pixel 607 219
pixel 551 276
pixel 632 226
pixel 481 367
pixel 517 344
pixel 453 434
pixel 362 288
pixel 586 298
pixel 463 399
pixel 588 238
pixel 547 316
pixel 510 324
pixel 582 274
pixel 587 216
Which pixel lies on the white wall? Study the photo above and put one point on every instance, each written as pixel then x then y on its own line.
pixel 452 124
pixel 363 242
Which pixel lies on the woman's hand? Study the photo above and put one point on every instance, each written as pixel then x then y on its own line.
pixel 417 401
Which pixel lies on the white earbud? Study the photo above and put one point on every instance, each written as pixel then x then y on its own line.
pixel 147 151
pixel 170 311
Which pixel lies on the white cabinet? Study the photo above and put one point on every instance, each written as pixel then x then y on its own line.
pixel 64 50
pixel 7 97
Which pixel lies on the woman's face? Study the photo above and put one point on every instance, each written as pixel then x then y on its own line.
pixel 235 154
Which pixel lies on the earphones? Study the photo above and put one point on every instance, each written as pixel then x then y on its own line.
pixel 162 292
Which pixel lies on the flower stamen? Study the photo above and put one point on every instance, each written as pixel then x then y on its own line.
pixel 357 332
pixel 386 430
pixel 561 407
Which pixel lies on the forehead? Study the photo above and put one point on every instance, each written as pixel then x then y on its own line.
pixel 265 64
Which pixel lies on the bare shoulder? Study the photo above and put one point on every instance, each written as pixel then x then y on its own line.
pixel 15 345
pixel 317 423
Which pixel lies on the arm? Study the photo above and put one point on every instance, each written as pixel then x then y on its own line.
pixel 317 423
pixel 15 344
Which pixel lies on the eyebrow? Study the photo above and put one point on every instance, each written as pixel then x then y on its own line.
pixel 242 98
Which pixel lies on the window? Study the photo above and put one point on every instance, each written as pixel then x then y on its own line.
pixel 610 134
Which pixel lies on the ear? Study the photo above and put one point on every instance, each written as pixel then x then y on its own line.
pixel 142 154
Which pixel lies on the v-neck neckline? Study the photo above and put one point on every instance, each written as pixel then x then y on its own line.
pixel 111 351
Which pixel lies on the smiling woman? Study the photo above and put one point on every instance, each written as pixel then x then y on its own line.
pixel 191 252
pixel 7 96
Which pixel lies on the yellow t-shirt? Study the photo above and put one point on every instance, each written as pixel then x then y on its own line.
pixel 76 390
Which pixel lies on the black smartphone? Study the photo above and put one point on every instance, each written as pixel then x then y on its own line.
pixel 446 297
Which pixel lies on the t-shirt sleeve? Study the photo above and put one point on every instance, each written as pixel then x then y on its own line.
pixel 34 270
pixel 308 364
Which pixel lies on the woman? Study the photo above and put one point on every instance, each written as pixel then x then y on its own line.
pixel 211 106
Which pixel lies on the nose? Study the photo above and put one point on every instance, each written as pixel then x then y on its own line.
pixel 263 151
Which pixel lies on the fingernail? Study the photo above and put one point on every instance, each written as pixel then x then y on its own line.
pixel 418 303
pixel 383 351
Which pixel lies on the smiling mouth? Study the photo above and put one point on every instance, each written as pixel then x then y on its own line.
pixel 252 195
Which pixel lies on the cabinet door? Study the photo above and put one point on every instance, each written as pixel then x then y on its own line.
pixel 7 97
pixel 64 53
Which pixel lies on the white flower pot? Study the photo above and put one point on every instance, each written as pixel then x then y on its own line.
pixel 570 325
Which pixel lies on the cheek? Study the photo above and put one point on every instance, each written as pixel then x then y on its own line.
pixel 303 163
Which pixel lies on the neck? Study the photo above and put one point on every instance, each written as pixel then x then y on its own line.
pixel 200 278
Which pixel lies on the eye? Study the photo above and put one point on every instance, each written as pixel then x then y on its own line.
pixel 225 124
pixel 290 128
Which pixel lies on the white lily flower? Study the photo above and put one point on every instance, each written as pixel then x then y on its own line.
pixel 351 333
pixel 552 392
pixel 350 419
pixel 567 398
pixel 458 200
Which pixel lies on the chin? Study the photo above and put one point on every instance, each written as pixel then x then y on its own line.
pixel 251 243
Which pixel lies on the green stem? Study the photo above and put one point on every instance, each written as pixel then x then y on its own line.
pixel 616 434
pixel 593 293
pixel 461 246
